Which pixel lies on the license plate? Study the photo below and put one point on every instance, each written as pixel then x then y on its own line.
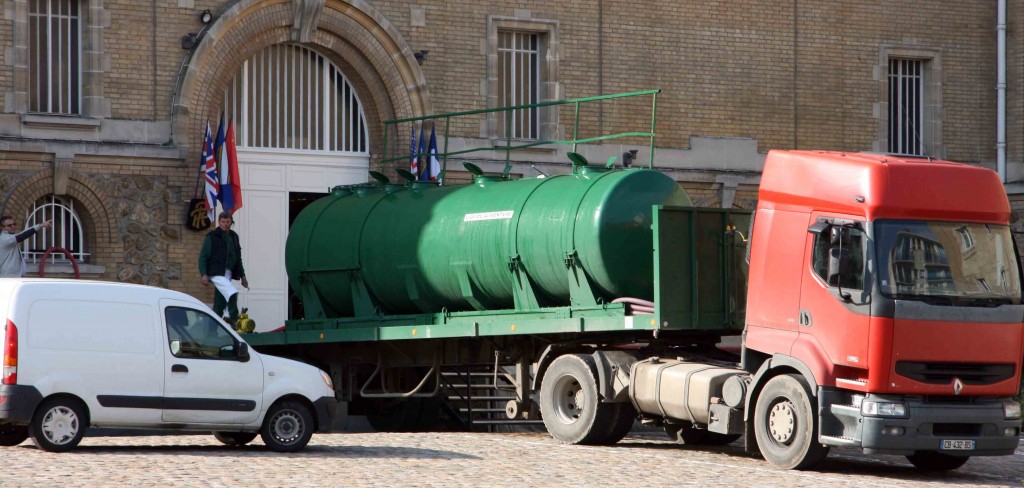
pixel 957 445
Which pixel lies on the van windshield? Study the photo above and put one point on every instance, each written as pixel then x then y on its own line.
pixel 947 263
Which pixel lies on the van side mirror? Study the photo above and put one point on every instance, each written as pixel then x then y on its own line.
pixel 243 352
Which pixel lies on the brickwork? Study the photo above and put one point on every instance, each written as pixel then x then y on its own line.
pixel 810 78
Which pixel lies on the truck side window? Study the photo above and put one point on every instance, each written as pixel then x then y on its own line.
pixel 194 334
pixel 850 255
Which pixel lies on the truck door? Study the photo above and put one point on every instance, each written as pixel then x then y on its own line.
pixel 204 379
pixel 835 300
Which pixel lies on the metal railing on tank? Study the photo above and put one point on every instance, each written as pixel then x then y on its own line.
pixel 576 140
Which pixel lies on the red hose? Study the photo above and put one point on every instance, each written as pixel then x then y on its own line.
pixel 42 262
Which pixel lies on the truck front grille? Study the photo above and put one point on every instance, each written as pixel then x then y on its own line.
pixel 943 373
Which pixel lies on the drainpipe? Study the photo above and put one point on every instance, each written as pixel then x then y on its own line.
pixel 1001 89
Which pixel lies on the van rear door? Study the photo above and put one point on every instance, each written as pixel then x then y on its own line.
pixel 204 380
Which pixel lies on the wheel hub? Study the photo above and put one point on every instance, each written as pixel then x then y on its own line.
pixel 782 422
pixel 286 427
pixel 60 425
pixel 571 399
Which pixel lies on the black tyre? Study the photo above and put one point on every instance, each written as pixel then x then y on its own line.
pixel 621 423
pixel 58 424
pixel 12 435
pixel 288 427
pixel 936 461
pixel 569 402
pixel 235 439
pixel 786 424
pixel 396 415
pixel 716 439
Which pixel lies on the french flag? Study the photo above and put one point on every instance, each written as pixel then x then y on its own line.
pixel 230 184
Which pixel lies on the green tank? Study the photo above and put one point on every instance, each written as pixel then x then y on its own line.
pixel 425 248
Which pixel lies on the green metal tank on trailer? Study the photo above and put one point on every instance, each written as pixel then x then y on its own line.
pixel 495 244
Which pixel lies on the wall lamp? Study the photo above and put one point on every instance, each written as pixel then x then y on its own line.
pixel 628 158
pixel 205 16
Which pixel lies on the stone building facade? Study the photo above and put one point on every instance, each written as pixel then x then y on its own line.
pixel 105 101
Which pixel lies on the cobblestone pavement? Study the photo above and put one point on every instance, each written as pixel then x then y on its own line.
pixel 460 459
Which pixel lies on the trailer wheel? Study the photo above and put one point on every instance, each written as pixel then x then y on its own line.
pixel 786 425
pixel 12 435
pixel 936 461
pixel 569 402
pixel 620 424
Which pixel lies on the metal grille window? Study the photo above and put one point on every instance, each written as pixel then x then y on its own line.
pixel 66 231
pixel 519 82
pixel 54 56
pixel 291 97
pixel 906 106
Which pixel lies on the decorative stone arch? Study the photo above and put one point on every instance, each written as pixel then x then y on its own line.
pixel 94 213
pixel 356 37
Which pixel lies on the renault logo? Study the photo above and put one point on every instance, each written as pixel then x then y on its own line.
pixel 958 386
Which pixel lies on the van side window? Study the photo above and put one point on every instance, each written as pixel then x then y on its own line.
pixel 197 335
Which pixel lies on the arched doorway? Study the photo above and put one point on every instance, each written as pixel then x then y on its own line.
pixel 300 129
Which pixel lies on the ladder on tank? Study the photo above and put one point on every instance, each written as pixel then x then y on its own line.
pixel 478 397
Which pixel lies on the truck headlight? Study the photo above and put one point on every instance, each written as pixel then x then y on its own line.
pixel 327 379
pixel 883 409
pixel 1011 409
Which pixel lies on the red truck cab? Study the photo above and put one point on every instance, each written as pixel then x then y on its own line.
pixel 890 287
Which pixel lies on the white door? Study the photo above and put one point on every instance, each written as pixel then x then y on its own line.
pixel 262 225
pixel 204 380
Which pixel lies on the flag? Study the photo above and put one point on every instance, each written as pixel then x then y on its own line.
pixel 414 162
pixel 422 161
pixel 210 171
pixel 230 185
pixel 435 164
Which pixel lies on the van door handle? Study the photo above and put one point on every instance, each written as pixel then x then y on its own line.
pixel 179 368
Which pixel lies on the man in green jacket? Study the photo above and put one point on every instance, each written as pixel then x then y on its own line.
pixel 220 261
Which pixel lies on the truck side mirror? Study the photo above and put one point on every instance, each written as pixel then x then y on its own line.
pixel 243 352
pixel 819 228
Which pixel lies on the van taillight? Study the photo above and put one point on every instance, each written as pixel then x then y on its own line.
pixel 11 355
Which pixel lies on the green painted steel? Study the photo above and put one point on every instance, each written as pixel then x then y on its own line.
pixel 428 248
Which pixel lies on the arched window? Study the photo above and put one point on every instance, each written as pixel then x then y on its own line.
pixel 290 97
pixel 66 231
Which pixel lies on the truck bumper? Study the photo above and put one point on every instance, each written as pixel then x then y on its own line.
pixel 928 424
pixel 18 403
pixel 325 410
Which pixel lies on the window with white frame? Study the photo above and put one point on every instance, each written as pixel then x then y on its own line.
pixel 55 56
pixel 292 97
pixel 519 83
pixel 906 106
pixel 66 231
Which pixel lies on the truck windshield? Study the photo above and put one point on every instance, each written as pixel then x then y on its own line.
pixel 947 263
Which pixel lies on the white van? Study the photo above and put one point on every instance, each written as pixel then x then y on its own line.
pixel 86 353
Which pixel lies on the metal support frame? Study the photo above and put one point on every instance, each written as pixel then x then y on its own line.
pixel 435 373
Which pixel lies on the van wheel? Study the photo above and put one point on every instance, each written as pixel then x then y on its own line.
pixel 58 425
pixel 288 427
pixel 12 435
pixel 235 439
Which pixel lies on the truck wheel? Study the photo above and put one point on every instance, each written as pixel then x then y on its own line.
pixel 621 423
pixel 58 425
pixel 12 435
pixel 786 425
pixel 288 427
pixel 569 402
pixel 235 439
pixel 936 461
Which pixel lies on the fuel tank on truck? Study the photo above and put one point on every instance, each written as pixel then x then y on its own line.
pixel 427 248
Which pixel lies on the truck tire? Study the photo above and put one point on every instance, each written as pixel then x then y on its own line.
pixel 288 427
pixel 569 403
pixel 936 461
pixel 58 424
pixel 620 424
pixel 235 439
pixel 786 424
pixel 12 435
